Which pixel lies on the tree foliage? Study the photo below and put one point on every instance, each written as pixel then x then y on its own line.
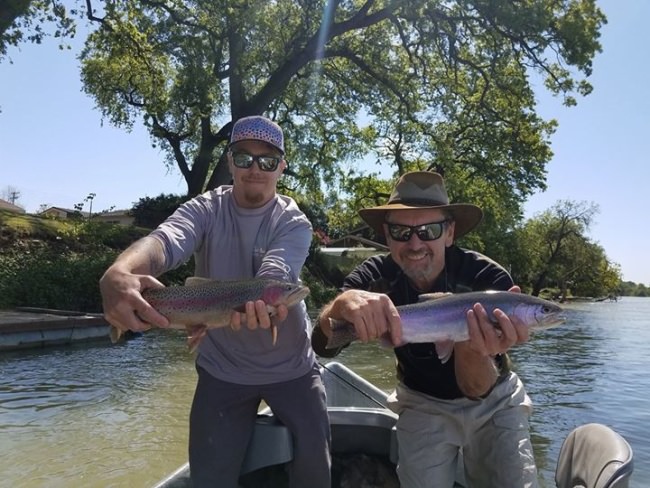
pixel 33 20
pixel 631 289
pixel 557 252
pixel 150 212
pixel 403 82
pixel 365 91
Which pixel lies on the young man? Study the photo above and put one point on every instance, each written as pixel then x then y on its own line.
pixel 473 401
pixel 238 231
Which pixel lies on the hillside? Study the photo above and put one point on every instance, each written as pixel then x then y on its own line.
pixel 57 264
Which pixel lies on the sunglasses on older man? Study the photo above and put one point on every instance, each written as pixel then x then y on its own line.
pixel 425 232
pixel 245 161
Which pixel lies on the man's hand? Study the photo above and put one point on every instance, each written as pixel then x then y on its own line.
pixel 258 314
pixel 372 314
pixel 488 340
pixel 122 301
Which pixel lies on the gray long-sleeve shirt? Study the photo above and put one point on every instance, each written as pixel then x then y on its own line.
pixel 230 242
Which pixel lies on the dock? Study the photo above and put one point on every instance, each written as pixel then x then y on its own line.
pixel 26 327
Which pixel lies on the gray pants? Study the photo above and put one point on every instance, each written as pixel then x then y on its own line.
pixel 222 421
pixel 493 434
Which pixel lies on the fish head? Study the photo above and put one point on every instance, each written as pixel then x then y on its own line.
pixel 540 314
pixel 284 293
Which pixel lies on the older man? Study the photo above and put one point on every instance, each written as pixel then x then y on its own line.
pixel 473 402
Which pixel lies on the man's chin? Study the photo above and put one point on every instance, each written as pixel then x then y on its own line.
pixel 419 269
pixel 254 198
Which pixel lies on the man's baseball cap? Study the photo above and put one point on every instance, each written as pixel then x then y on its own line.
pixel 257 128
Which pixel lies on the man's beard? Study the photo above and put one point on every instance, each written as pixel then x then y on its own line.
pixel 421 272
pixel 254 197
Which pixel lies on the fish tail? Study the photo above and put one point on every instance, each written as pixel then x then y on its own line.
pixel 343 333
pixel 115 334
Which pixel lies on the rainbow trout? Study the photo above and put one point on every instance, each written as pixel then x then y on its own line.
pixel 441 318
pixel 204 304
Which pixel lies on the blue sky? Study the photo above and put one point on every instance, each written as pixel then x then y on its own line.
pixel 55 149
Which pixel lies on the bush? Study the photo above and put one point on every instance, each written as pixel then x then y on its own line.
pixel 45 278
pixel 151 212
pixel 319 293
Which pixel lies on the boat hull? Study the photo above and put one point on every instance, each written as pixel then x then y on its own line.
pixel 364 442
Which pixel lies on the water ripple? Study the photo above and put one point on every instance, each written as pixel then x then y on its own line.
pixel 113 416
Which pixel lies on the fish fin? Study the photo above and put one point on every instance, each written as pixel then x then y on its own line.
pixel 271 310
pixel 425 297
pixel 196 281
pixel 115 334
pixel 274 333
pixel 195 334
pixel 444 350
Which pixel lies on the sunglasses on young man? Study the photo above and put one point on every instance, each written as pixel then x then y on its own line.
pixel 245 161
pixel 425 232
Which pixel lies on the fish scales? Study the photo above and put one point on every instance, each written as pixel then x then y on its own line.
pixel 442 318
pixel 205 303
pixel 204 297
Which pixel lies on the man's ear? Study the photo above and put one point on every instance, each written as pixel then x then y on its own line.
pixel 230 164
pixel 449 234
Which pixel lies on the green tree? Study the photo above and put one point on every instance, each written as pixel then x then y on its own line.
pixel 151 212
pixel 33 20
pixel 587 271
pixel 631 289
pixel 559 254
pixel 406 82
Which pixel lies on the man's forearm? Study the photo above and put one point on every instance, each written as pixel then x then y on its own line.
pixel 145 256
pixel 475 374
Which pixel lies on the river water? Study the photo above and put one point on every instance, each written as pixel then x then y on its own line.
pixel 105 415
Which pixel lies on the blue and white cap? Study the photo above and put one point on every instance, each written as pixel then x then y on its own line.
pixel 258 128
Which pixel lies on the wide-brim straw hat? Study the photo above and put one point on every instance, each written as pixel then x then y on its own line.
pixel 423 190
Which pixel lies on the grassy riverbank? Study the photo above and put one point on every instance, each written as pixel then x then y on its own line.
pixel 57 264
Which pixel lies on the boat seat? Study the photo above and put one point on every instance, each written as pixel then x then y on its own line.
pixel 594 456
pixel 367 430
pixel 270 444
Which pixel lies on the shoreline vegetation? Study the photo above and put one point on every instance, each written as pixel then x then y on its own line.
pixel 56 264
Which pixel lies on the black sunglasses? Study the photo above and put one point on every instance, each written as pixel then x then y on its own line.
pixel 425 232
pixel 245 161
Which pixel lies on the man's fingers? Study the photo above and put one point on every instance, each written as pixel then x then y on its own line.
pixel 262 314
pixel 251 315
pixel 362 328
pixel 501 338
pixel 148 281
pixel 395 327
pixel 256 314
pixel 147 314
pixel 235 321
pixel 124 317
pixel 474 330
